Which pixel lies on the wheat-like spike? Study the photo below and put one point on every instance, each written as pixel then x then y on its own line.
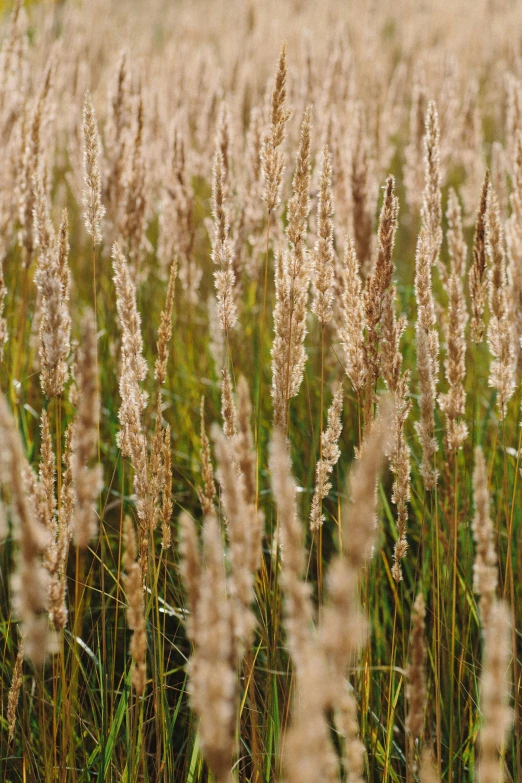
pixel 272 157
pixel 453 403
pixel 477 272
pixel 431 209
pixel 324 255
pixel 416 688
pixel 135 610
pixel 52 280
pixel 87 480
pixel 94 209
pixel 292 278
pixel 377 283
pixel 330 455
pixel 495 694
pixel 485 568
pixel 212 672
pixel 207 493
pixel 14 691
pixel 362 208
pixel 500 328
pixel 30 582
pixel 353 318
pixel 222 250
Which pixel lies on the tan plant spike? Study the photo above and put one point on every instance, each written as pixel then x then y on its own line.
pixel 377 283
pixel 52 280
pixel 398 384
pixel 222 251
pixel 211 668
pixel 330 456
pixel 427 357
pixel 358 517
pixel 431 209
pixel 190 569
pixel 477 272
pixel 94 210
pixel 167 505
pixel 245 530
pixel 414 173
pixel 135 609
pixel 416 687
pixel 30 582
pixel 453 403
pixel 324 256
pixel 272 157
pixel 245 450
pixel 207 493
pixel 58 568
pixel 428 772
pixel 292 278
pixel 362 209
pixel 14 691
pixel 495 695
pixel 500 328
pixel 485 567
pixel 228 406
pixel 298 605
pixel 32 161
pixel 353 318
pixel 165 330
pixel 87 479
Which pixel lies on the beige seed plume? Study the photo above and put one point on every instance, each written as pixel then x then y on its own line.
pixel 58 568
pixel 14 691
pixel 362 207
pixel 292 275
pixel 298 605
pixel 244 528
pixel 453 403
pixel 165 329
pixel 398 384
pixel 500 328
pixel 477 272
pixel 427 357
pixel 495 694
pixel 222 250
pixel 353 318
pixel 272 157
pixel 309 754
pixel 324 256
pixel 87 480
pixel 167 504
pixel 135 610
pixel 30 582
pixel 211 668
pixel 52 280
pixel 485 568
pixel 207 492
pixel 330 455
pixel 94 210
pixel 134 366
pixel 416 687
pixel 431 209
pixel 413 170
pixel 428 772
pixel 377 283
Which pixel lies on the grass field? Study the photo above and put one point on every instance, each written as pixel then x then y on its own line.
pixel 260 409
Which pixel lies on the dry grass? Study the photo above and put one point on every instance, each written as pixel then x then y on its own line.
pixel 260 391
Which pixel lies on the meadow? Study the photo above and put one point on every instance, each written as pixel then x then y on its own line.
pixel 260 391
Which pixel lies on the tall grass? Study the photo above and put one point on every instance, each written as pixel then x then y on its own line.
pixel 261 392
